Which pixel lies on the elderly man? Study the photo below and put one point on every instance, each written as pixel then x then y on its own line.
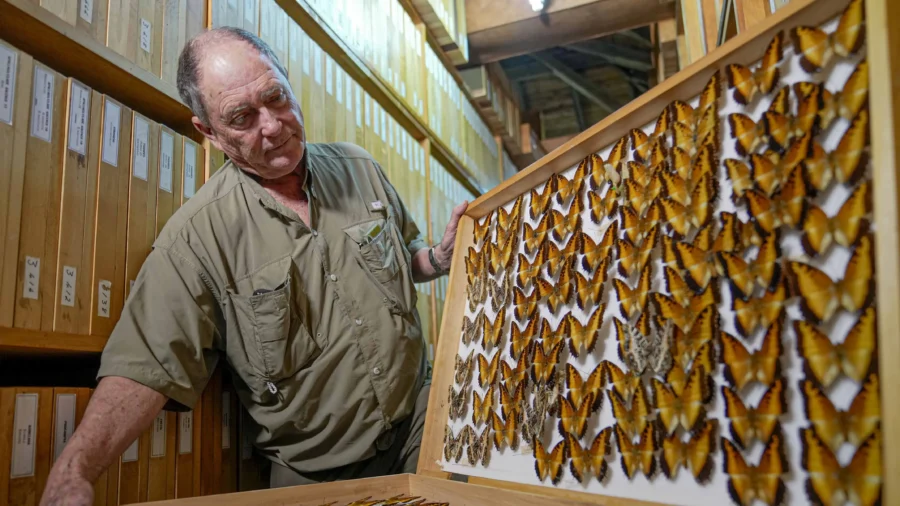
pixel 295 263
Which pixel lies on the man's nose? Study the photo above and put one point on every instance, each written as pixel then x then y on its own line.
pixel 271 125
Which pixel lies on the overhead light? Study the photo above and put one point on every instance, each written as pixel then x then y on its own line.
pixel 536 5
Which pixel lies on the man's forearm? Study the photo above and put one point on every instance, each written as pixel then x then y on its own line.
pixel 422 270
pixel 118 412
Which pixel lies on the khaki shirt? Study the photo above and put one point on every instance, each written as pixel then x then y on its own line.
pixel 319 324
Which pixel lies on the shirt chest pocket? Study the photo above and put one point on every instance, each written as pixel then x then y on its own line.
pixel 377 244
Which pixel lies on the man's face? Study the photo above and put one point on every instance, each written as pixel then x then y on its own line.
pixel 253 114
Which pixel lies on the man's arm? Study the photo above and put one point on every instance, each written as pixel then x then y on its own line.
pixel 118 412
pixel 422 269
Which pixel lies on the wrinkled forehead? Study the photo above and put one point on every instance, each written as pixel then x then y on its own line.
pixel 230 65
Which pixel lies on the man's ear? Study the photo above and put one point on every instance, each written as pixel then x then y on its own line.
pixel 206 131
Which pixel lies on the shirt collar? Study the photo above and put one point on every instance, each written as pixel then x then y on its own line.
pixel 267 200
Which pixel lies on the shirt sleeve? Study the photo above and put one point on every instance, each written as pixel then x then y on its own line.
pixel 411 234
pixel 164 338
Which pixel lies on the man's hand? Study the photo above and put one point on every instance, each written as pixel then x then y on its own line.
pixel 443 252
pixel 72 490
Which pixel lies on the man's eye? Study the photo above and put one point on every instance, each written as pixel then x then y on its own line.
pixel 239 120
pixel 278 98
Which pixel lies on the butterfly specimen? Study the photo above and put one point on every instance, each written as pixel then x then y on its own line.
pixel 684 316
pixel 695 454
pixel 564 188
pixel 631 421
pixel 476 289
pixel 758 312
pixel 590 461
pixel 525 308
pixel 764 271
pixel 505 432
pixel 508 221
pixel 471 327
pixel 573 418
pixel 632 301
pixel 559 293
pixel 771 169
pixel 820 297
pixel 532 237
pixel 816 48
pixel 539 201
pixel 685 409
pixel 689 345
pixel 773 129
pixel 580 389
pixel 599 254
pixel 544 365
pixel 747 83
pixel 696 119
pixel 677 376
pixel 741 178
pixel 583 336
pixel 786 208
pixel 635 227
pixel 520 339
pixel 684 218
pixel 640 195
pixel 829 483
pixel 644 349
pixel 624 384
pixel 549 465
pixel 482 406
pixel 845 103
pixel 678 289
pixel 836 427
pixel 781 103
pixel 759 423
pixel 501 255
pixel 635 258
pixel 616 156
pixel 743 367
pixel 479 448
pixel 527 271
pixel 762 482
pixel 847 163
pixel 589 291
pixel 590 172
pixel 464 368
pixel 483 228
pixel 844 228
pixel 499 293
pixel 699 264
pixel 561 225
pixel 493 330
pixel 457 401
pixel 513 391
pixel 826 361
pixel 487 370
pixel 453 445
pixel 641 456
pixel 554 258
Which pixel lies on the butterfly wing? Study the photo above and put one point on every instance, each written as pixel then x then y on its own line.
pixel 700 449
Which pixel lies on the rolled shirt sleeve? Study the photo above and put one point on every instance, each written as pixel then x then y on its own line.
pixel 165 338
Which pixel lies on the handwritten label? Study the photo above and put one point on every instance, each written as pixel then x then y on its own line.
pixel 42 104
pixel 139 154
pixel 67 287
pixel 24 436
pixel 190 169
pixel 9 60
pixel 251 8
pixel 32 278
pixel 79 116
pixel 226 420
pixel 112 116
pixel 87 10
pixel 329 76
pixel 158 441
pixel 166 154
pixel 132 452
pixel 186 432
pixel 65 422
pixel 146 35
pixel 104 295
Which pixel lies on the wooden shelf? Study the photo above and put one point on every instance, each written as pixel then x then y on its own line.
pixel 37 342
pixel 76 54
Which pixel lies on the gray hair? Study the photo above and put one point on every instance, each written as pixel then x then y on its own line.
pixel 189 64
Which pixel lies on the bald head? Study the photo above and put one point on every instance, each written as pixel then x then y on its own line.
pixel 215 42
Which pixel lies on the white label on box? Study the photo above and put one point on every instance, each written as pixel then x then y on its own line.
pixel 190 169
pixel 166 154
pixel 146 35
pixel 250 10
pixel 104 292
pixel 339 86
pixel 226 420
pixel 328 76
pixel 186 433
pixel 87 10
pixel 67 287
pixel 358 106
pixel 65 422
pixel 112 117
pixel 42 104
pixel 79 116
pixel 32 278
pixel 317 63
pixel 9 60
pixel 132 452
pixel 158 441
pixel 24 436
pixel 140 156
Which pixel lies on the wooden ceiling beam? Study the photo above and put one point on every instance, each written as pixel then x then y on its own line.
pixel 615 54
pixel 577 82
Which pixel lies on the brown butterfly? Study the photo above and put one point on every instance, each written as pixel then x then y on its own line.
pixel 762 482
pixel 487 370
pixel 836 427
pixel 636 227
pixel 771 170
pixel 750 424
pixel 844 228
pixel 583 337
pixel 532 237
pixel 589 461
pixel 635 258
pixel 554 258
pixel 764 271
pixel 579 388
pixel 633 300
pixel 677 377
pixel 508 221
pixel 573 418
pixel 747 83
pixel 633 420
pixel 686 409
pixel 493 330
pixel 699 265
pixel 525 306
pixel 690 345
pixel 781 102
pixel 549 464
pixel 826 361
pixel 760 311
pixel 513 377
pixel 597 255
pixel 483 228
pixel 786 208
pixel 505 432
pixel 684 218
pixel 847 102
pixel 640 456
pixel 773 130
pixel 499 293
pixel 625 384
pixel 539 201
pixel 847 163
pixel 453 445
pixel 463 368
pixel 559 293
pixel 543 370
pixel 521 339
pixel 479 448
pixel 830 483
pixel 816 48
pixel 640 196
pixel 741 178
pixel 743 367
pixel 482 406
pixel 472 327
pixel 695 454
pixel 511 398
pixel 589 172
pixel 589 291
pixel 684 316
pixel 663 124
pixel 602 207
pixel 500 256
pixel 616 156
pixel 457 401
pixel 564 188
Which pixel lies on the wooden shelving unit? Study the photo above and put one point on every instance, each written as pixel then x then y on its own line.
pixel 37 342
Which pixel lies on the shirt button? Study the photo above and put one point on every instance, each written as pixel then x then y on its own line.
pixel 384 299
pixel 319 335
pixel 358 321
pixel 376 371
pixel 333 277
pixel 315 233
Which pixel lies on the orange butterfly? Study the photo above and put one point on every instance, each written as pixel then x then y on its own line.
pixel 640 456
pixel 525 305
pixel 512 397
pixel 690 171
pixel 483 228
pixel 786 208
pixel 493 330
pixel 481 407
pixel 847 163
pixel 527 271
pixel 562 225
pixel 816 48
pixel 636 227
pixel 479 448
pixel 589 172
pixel 540 201
pixel 663 123
pixel 550 336
pixel 836 427
pixel 677 377
pixel 845 228
pixel 597 256
pixel 771 170
pixel 512 377
pixel 508 221
pixel 549 465
pixel 625 384
pixel 690 345
pixel 847 102
pixel 758 312
pixel 583 337
pixel 773 129
pixel 762 482
pixel 573 418
pixel 684 218
pixel 632 421
pixel 826 361
pixel 487 370
pixel 640 144
pixel 641 196
pixel 695 454
pixel 690 136
pixel 763 365
pixel 563 187
pixel 763 271
pixel 644 174
pixel 632 301
pixel 830 483
pixel 685 409
pixel 500 256
pixel 699 265
pixel 590 461
pixel 532 237
pixel 453 445
pixel 684 316
pixel 580 389
pixel 616 156
pixel 560 293
pixel 633 259
pixel 676 286
pixel 747 83
pixel 554 258
pixel 471 327
pixel 741 178
pixel 659 153
pixel 759 423
pixel 820 297
pixel 505 432
pixel 463 369
pixel 543 370
pixel 602 207
pixel 781 103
